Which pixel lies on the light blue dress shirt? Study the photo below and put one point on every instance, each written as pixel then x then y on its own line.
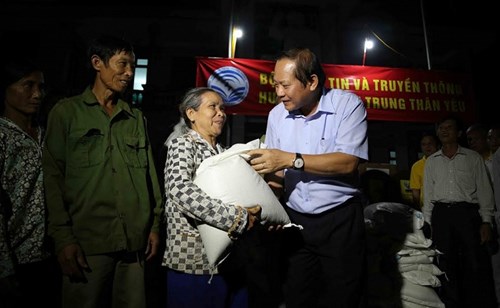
pixel 338 125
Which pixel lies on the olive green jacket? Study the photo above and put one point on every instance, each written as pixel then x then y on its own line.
pixel 100 181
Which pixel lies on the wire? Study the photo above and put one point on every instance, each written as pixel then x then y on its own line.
pixel 384 43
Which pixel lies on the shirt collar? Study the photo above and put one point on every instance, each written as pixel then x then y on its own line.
pixel 90 99
pixel 323 107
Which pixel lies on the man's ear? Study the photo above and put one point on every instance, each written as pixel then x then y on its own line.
pixel 313 83
pixel 96 62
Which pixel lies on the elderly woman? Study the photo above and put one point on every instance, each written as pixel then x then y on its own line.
pixel 191 280
pixel 28 269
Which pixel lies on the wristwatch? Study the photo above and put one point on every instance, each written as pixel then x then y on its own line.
pixel 298 162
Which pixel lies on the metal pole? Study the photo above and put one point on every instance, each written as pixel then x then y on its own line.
pixel 425 35
pixel 230 43
pixel 233 44
pixel 364 53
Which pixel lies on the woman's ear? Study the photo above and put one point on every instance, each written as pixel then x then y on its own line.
pixel 190 114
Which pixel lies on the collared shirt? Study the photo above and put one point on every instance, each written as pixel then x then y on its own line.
pixel 22 205
pixel 187 205
pixel 495 167
pixel 461 178
pixel 99 176
pixel 489 167
pixel 338 125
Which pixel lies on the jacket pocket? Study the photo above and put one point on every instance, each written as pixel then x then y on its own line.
pixel 135 151
pixel 85 148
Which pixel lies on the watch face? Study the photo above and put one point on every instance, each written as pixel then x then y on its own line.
pixel 298 163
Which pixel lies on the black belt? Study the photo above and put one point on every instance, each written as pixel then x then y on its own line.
pixel 458 204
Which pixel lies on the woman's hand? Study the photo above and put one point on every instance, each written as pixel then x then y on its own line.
pixel 253 215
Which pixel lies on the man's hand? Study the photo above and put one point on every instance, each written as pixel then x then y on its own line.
pixel 269 160
pixel 153 244
pixel 485 232
pixel 73 263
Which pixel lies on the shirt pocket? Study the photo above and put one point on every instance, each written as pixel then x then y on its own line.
pixel 464 179
pixel 86 148
pixel 135 151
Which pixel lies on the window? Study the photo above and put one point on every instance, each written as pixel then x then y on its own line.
pixel 140 79
pixel 392 157
pixel 140 75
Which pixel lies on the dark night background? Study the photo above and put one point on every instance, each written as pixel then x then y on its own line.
pixel 461 37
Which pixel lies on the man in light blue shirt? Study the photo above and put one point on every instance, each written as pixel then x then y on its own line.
pixel 315 140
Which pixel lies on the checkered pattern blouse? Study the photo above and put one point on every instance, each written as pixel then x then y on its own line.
pixel 187 205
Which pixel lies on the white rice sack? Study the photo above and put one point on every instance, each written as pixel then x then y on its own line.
pixel 420 295
pixel 422 278
pixel 429 268
pixel 407 304
pixel 418 220
pixel 230 178
pixel 420 259
pixel 417 240
pixel 417 252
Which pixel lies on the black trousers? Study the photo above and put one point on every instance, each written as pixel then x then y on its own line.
pixel 257 263
pixel 468 280
pixel 326 265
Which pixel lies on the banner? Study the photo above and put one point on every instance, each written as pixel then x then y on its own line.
pixel 389 94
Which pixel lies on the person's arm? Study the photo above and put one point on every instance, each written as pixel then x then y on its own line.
pixel 73 263
pixel 349 146
pixel 496 177
pixel 271 160
pixel 6 262
pixel 8 281
pixel 485 194
pixel 54 168
pixel 189 198
pixel 416 183
pixel 69 253
pixel 428 191
pixel 415 193
pixel 486 201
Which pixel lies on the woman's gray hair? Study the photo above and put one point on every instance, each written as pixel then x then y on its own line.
pixel 192 99
pixel 179 129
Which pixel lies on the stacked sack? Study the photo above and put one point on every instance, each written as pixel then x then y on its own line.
pixel 387 225
pixel 416 265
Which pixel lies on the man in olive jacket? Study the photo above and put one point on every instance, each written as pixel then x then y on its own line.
pixel 101 186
